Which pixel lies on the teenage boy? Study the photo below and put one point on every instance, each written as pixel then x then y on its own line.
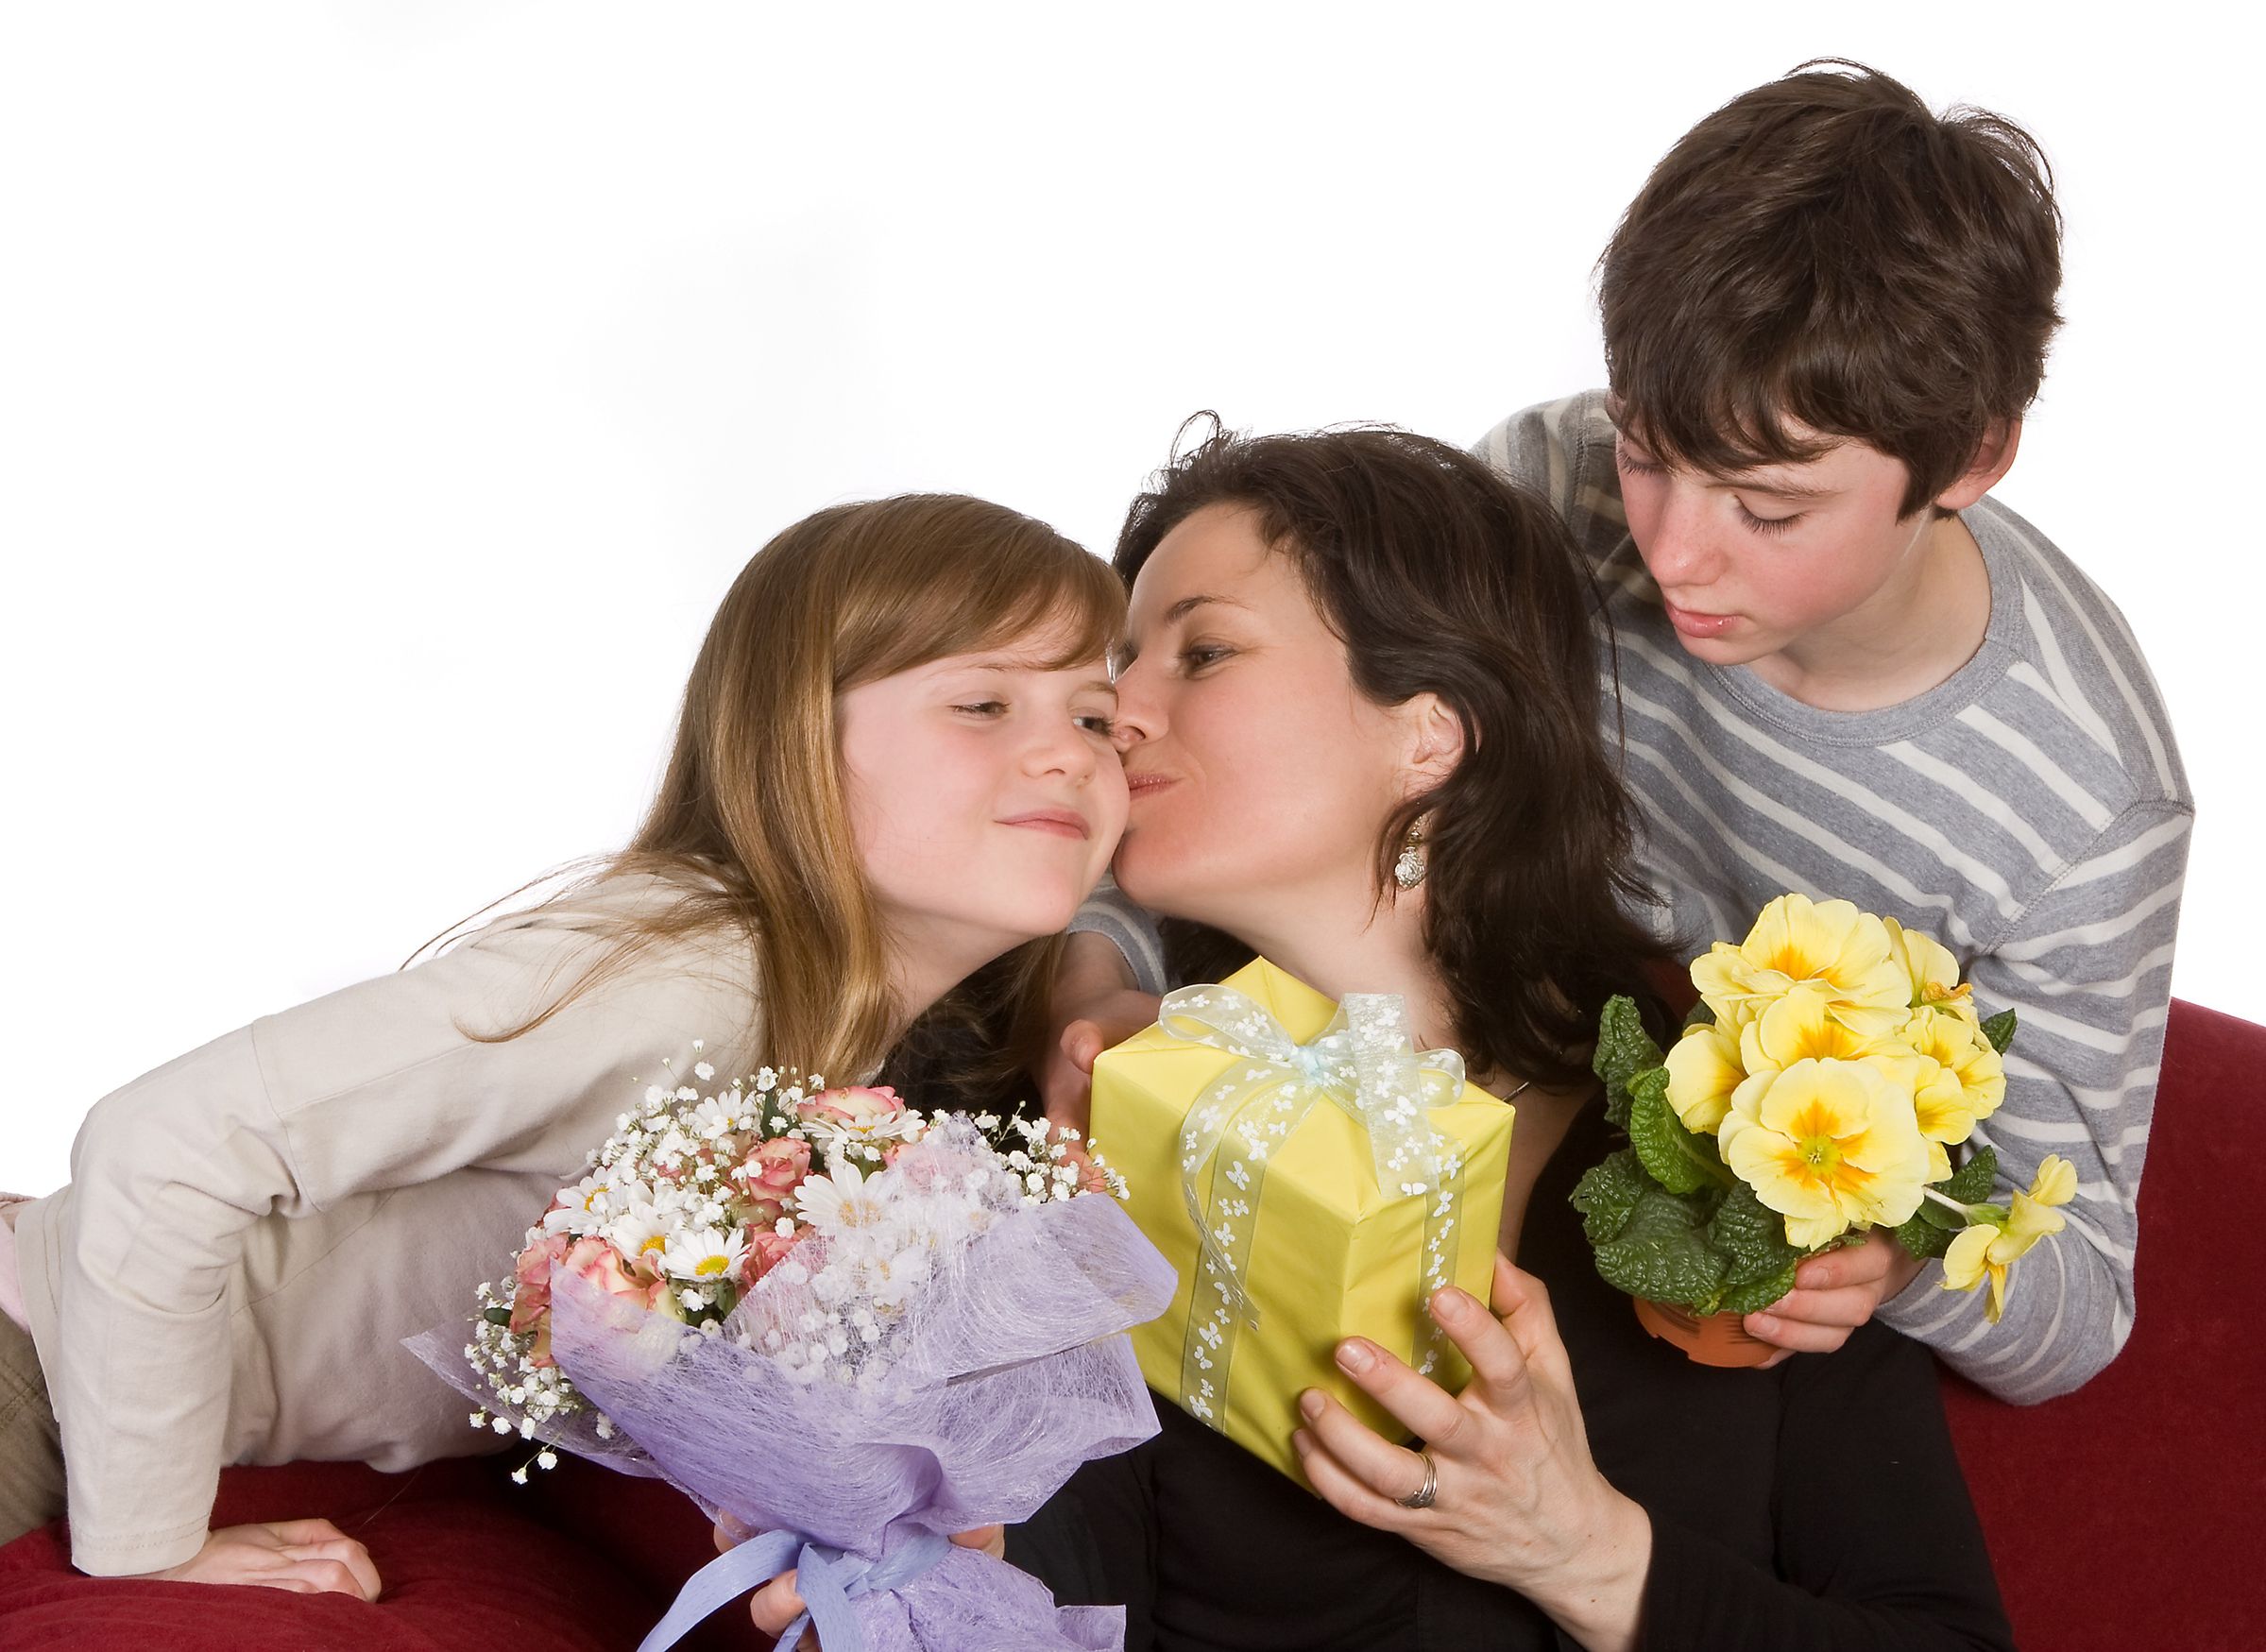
pixel 1845 671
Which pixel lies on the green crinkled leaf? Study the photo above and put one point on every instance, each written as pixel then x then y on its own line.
pixel 1971 1183
pixel 1700 1016
pixel 1928 1237
pixel 1999 1031
pixel 1607 1193
pixel 1751 1294
pixel 1759 1263
pixel 1662 1253
pixel 1935 1215
pixel 1676 1159
pixel 1750 1235
pixel 1624 1050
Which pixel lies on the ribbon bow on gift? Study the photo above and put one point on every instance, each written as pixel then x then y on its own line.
pixel 1365 1064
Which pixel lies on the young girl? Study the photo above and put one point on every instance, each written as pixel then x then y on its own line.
pixel 1360 718
pixel 893 768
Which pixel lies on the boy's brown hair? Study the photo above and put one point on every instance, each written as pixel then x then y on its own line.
pixel 1824 249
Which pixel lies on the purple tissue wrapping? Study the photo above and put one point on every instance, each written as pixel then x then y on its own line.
pixel 1012 1368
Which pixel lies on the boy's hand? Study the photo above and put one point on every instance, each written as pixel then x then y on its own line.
pixel 1094 1005
pixel 1832 1295
pixel 307 1557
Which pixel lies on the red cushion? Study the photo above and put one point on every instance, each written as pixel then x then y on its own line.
pixel 468 1561
pixel 2136 1505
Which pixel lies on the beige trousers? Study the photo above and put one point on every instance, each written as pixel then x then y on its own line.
pixel 31 1448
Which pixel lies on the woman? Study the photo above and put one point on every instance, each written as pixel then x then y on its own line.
pixel 1359 720
pixel 893 767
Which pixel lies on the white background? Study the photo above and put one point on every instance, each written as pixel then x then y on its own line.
pixel 389 390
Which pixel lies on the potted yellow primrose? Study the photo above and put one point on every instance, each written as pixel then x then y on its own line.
pixel 1833 1062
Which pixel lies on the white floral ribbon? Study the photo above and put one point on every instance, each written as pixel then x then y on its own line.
pixel 1363 1062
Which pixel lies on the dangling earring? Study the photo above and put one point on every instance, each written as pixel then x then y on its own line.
pixel 1408 871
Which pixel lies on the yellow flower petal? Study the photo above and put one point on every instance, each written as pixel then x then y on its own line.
pixel 1932 970
pixel 1796 939
pixel 2027 1223
pixel 1964 1262
pixel 1703 1072
pixel 1828 1142
pixel 1963 1056
pixel 2055 1182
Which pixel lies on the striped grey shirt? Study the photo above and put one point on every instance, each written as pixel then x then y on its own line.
pixel 2030 813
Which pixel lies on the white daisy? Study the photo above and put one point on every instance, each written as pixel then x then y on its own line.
pixel 842 1202
pixel 641 1230
pixel 704 1255
pixel 584 1208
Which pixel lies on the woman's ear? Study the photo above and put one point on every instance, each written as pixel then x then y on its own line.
pixel 1434 741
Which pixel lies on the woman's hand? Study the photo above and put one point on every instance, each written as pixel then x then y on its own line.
pixel 1832 1295
pixel 777 1605
pixel 309 1557
pixel 1095 1004
pixel 1517 1499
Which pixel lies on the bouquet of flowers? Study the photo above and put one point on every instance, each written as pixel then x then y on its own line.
pixel 853 1328
pixel 1835 1061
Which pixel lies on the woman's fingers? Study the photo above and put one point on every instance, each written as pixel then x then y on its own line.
pixel 1344 1491
pixel 1391 1471
pixel 1421 1405
pixel 1522 1303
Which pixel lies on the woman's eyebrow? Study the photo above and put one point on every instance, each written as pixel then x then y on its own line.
pixel 1187 606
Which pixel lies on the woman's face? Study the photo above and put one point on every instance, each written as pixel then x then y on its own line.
pixel 1258 771
pixel 983 794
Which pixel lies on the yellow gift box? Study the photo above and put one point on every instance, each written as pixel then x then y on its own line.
pixel 1300 1246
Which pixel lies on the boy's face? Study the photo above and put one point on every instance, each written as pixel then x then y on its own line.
pixel 1783 560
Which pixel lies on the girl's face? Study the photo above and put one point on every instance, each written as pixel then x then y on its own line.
pixel 984 796
pixel 1258 771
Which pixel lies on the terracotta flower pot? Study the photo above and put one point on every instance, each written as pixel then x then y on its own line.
pixel 1718 1339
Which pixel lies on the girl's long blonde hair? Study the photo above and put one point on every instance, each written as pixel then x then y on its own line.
pixel 751 820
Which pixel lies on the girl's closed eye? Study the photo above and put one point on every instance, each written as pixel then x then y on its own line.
pixel 1634 466
pixel 984 707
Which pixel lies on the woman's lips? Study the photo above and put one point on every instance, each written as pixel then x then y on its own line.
pixel 1061 823
pixel 1139 786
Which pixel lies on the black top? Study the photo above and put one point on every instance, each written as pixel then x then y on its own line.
pixel 1817 1504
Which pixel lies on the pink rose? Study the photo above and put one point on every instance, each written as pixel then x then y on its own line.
pixel 856 1106
pixel 766 1247
pixel 598 1262
pixel 777 1168
pixel 531 1280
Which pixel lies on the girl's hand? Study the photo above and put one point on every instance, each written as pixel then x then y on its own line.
pixel 308 1557
pixel 1832 1295
pixel 777 1605
pixel 1095 1005
pixel 1517 1499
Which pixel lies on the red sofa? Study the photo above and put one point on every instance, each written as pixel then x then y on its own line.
pixel 2130 1513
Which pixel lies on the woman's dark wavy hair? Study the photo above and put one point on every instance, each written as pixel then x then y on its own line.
pixel 1440 576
